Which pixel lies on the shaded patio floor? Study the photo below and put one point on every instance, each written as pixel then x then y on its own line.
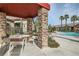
pixel 16 50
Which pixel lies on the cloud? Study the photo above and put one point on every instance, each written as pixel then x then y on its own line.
pixel 68 9
pixel 67 5
pixel 71 9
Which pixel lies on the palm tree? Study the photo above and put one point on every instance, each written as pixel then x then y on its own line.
pixel 61 18
pixel 73 19
pixel 50 28
pixel 66 17
pixel 35 27
pixel 78 19
pixel 37 24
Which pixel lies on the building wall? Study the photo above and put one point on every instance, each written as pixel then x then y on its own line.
pixel 12 26
pixel 25 27
pixel 11 23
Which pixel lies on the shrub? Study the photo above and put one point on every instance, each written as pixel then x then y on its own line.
pixel 52 43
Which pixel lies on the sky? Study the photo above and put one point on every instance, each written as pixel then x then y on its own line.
pixel 60 9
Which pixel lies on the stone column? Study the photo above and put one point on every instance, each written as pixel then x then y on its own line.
pixel 43 32
pixel 29 26
pixel 2 24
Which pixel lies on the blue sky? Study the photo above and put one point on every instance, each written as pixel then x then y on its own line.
pixel 60 9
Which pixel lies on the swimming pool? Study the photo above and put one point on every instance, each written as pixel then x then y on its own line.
pixel 70 34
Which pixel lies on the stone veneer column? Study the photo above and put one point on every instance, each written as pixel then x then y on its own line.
pixel 43 32
pixel 2 24
pixel 29 26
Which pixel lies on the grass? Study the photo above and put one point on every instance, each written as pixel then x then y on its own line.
pixel 52 43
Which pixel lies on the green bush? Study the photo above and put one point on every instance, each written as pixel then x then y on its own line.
pixel 52 43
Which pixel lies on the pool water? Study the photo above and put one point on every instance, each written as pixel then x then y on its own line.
pixel 70 34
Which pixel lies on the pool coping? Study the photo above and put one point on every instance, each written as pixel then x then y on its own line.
pixel 66 37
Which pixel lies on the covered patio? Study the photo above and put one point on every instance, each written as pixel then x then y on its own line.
pixel 26 11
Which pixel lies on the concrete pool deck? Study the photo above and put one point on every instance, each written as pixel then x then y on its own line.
pixel 67 48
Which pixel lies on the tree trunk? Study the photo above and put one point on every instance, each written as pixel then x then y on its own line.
pixel 66 25
pixel 74 26
pixel 61 25
pixel 34 26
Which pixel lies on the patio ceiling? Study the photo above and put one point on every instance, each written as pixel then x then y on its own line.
pixel 22 10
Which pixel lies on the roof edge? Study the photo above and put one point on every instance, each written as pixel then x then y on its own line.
pixel 45 5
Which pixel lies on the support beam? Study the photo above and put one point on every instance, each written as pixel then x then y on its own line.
pixel 43 32
pixel 2 24
pixel 29 26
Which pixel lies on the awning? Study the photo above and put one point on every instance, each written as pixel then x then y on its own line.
pixel 22 10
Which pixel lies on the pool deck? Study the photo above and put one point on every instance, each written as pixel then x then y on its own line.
pixel 73 38
pixel 66 48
